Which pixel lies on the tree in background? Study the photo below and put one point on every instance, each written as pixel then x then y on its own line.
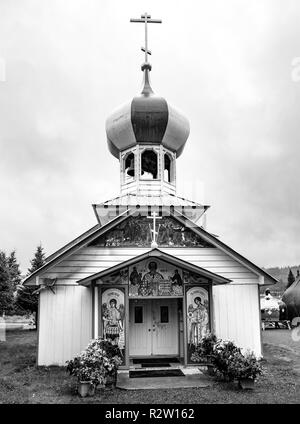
pixel 14 270
pixel 38 260
pixel 26 299
pixel 6 290
pixel 291 279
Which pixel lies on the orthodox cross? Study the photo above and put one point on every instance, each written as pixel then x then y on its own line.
pixel 154 216
pixel 146 19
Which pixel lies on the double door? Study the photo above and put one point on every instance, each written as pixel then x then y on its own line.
pixel 153 327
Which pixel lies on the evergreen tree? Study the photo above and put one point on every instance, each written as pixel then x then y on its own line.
pixel 291 279
pixel 6 292
pixel 38 260
pixel 14 270
pixel 26 299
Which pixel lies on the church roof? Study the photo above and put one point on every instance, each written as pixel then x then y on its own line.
pixel 156 253
pixel 104 211
pixel 165 199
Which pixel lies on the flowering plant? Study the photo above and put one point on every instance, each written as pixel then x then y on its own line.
pixel 245 366
pixel 205 348
pixel 224 354
pixel 99 360
pixel 232 364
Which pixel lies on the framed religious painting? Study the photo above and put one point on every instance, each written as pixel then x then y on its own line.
pixel 113 317
pixel 197 317
pixel 154 278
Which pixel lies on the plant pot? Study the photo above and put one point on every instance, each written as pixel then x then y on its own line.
pixel 86 388
pixel 246 383
pixel 210 369
pixel 92 390
pixel 111 380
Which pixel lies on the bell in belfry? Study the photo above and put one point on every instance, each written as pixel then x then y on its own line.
pixel 130 170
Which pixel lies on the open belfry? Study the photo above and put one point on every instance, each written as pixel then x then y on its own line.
pixel 148 276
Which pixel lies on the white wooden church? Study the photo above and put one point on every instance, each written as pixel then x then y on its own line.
pixel 147 276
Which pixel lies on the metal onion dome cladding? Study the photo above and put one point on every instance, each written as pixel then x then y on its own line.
pixel 148 118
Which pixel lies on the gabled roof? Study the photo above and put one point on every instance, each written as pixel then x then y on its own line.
pixel 222 246
pixel 156 253
pixel 76 244
pixel 166 199
pixel 189 208
pixel 97 230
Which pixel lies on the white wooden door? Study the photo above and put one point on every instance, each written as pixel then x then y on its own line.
pixel 140 328
pixel 153 327
pixel 165 338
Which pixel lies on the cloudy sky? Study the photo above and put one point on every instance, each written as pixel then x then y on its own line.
pixel 230 66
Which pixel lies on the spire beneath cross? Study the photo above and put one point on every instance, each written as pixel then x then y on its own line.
pixel 146 19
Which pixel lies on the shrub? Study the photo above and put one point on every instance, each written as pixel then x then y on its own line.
pixel 245 366
pixel 223 357
pixel 231 364
pixel 205 348
pixel 99 360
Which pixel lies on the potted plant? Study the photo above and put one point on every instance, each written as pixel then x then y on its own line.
pixel 95 366
pixel 114 360
pixel 79 368
pixel 245 369
pixel 204 352
pixel 224 354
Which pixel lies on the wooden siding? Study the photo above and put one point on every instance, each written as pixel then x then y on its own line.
pixel 237 315
pixel 90 260
pixel 65 324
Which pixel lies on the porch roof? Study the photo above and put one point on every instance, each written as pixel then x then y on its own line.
pixel 156 253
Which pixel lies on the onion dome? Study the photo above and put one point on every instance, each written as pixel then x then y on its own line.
pixel 148 118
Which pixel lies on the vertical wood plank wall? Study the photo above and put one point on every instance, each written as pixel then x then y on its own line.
pixel 65 324
pixel 237 315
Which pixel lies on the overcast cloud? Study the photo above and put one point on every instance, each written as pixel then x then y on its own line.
pixel 226 64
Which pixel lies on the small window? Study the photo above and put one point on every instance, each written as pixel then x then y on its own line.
pixel 164 314
pixel 138 314
pixel 129 166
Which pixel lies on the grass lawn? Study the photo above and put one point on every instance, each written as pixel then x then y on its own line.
pixel 22 382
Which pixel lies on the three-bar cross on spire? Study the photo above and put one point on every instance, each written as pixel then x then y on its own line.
pixel 146 19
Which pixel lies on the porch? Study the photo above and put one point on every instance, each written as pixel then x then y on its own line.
pixel 153 306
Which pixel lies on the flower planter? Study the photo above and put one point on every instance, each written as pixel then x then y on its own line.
pixel 246 383
pixel 210 369
pixel 111 380
pixel 92 390
pixel 86 388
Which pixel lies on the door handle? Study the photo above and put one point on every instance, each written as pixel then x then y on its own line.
pixel 149 329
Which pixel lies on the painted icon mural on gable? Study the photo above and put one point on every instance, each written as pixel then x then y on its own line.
pixel 153 277
pixel 135 231
pixel 198 325
pixel 118 277
pixel 113 318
